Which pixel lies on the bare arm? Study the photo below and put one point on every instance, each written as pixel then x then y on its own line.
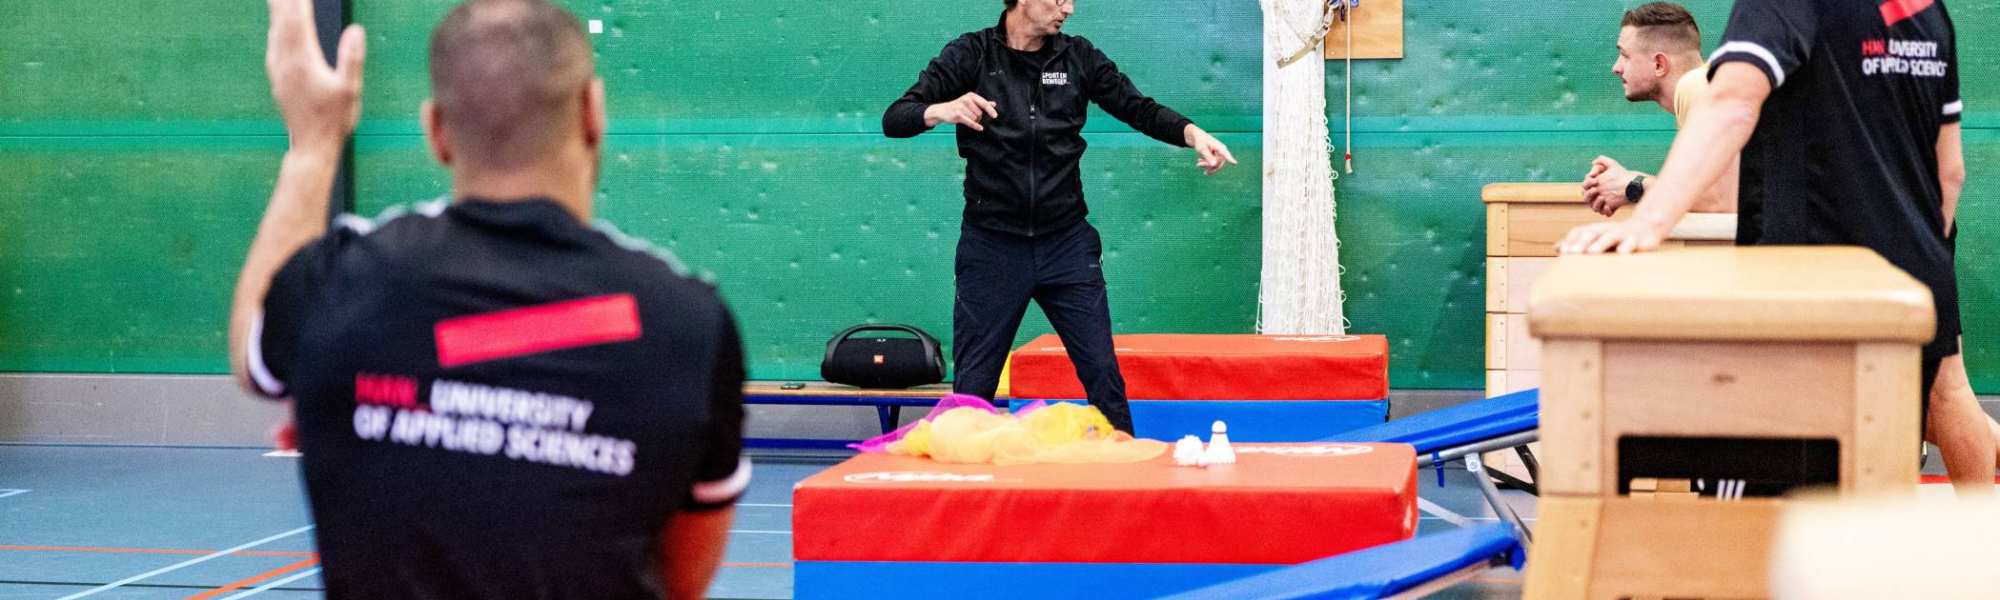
pixel 1721 197
pixel 320 105
pixel 691 548
pixel 1951 171
pixel 1702 152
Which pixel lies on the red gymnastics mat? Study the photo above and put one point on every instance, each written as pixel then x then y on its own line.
pixel 1279 504
pixel 1217 367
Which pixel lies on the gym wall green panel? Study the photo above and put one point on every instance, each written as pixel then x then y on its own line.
pixel 820 67
pixel 133 67
pixel 137 146
pixel 1978 25
pixel 122 251
pixel 745 138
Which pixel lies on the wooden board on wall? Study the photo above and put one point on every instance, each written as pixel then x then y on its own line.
pixel 1378 31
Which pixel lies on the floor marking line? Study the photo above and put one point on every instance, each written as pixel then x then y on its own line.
pixel 184 564
pixel 117 550
pixel 267 587
pixel 1441 512
pixel 254 579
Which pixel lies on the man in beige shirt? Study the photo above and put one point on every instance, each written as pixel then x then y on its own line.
pixel 1659 60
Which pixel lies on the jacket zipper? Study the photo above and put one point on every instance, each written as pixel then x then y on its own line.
pixel 1034 143
pixel 1035 136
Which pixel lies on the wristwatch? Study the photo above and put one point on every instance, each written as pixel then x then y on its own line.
pixel 1635 189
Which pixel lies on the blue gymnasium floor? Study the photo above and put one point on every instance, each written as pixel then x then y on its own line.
pixel 156 522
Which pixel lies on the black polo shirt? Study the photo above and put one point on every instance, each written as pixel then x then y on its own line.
pixel 498 401
pixel 1845 151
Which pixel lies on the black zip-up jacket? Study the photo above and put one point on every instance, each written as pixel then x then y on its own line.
pixel 1021 174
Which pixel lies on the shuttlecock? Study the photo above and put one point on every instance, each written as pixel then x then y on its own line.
pixel 1218 452
pixel 1187 452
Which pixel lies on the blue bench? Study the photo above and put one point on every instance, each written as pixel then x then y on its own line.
pixel 1464 432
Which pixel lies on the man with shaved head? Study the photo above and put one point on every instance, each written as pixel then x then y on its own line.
pixel 494 398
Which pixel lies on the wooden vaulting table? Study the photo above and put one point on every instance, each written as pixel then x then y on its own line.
pixel 1740 344
pixel 1523 222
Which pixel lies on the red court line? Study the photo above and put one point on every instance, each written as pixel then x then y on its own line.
pixel 254 579
pixel 113 550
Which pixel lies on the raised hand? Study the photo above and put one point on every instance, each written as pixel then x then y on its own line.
pixel 320 104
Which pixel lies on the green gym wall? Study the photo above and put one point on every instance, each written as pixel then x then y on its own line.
pixel 138 144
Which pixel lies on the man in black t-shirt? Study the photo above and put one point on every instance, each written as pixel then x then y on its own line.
pixel 1846 113
pixel 495 399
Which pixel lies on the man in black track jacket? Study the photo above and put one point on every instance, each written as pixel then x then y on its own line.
pixel 1019 93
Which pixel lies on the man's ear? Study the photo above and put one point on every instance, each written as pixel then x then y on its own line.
pixel 432 119
pixel 1662 65
pixel 595 119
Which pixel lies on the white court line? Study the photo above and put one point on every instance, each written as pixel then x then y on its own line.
pixel 283 454
pixel 186 563
pixel 1441 512
pixel 12 493
pixel 252 591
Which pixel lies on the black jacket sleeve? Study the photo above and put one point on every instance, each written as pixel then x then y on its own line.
pixel 1111 90
pixel 953 73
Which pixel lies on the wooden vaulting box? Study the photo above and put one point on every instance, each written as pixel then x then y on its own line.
pixel 1665 373
pixel 1523 222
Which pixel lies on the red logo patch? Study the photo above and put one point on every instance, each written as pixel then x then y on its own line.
pixel 537 329
pixel 1897 11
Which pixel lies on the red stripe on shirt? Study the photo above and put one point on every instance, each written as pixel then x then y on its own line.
pixel 1896 11
pixel 537 329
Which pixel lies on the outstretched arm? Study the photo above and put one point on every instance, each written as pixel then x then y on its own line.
pixel 320 106
pixel 1113 91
